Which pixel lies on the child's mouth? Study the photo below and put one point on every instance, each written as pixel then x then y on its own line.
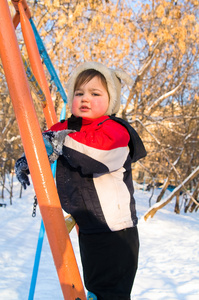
pixel 84 108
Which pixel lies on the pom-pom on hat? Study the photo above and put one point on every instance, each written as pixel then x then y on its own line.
pixel 113 78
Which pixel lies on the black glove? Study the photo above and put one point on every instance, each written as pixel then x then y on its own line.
pixel 22 171
pixel 75 123
pixel 54 141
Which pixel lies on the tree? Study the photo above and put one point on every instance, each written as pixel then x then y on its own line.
pixel 157 44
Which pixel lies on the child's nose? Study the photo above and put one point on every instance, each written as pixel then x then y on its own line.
pixel 85 97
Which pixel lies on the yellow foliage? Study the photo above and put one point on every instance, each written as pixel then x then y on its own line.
pixel 151 39
pixel 197 28
pixel 147 6
pixel 118 27
pixel 193 50
pixel 164 20
pixel 81 25
pixel 86 55
pixel 56 3
pixel 113 43
pixel 183 33
pixel 61 20
pixel 144 17
pixel 160 11
pixel 191 18
pixel 114 12
pixel 89 28
pixel 59 37
pixel 78 9
pixel 108 28
pixel 182 46
pixel 124 37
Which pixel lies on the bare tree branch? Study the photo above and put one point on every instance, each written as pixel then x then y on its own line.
pixel 152 211
pixel 163 97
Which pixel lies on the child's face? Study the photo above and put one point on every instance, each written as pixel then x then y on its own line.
pixel 91 100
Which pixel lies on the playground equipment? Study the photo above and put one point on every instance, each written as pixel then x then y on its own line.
pixel 42 178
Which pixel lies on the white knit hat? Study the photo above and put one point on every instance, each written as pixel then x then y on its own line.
pixel 113 78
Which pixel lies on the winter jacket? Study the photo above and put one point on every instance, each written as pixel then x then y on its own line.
pixel 94 177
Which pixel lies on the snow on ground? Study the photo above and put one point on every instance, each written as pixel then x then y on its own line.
pixel 168 262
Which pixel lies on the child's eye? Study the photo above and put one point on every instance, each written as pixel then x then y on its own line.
pixel 95 94
pixel 78 94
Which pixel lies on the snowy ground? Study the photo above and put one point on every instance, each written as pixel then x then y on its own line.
pixel 168 264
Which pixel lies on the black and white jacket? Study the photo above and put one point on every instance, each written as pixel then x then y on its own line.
pixel 94 177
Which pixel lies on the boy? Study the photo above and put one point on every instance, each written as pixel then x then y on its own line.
pixel 94 179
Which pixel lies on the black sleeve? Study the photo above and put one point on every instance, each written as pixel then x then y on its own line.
pixel 137 149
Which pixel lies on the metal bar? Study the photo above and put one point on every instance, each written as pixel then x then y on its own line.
pixel 16 18
pixel 36 65
pixel 37 158
pixel 37 260
pixel 48 63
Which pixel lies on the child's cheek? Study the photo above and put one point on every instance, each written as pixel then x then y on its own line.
pixel 74 106
pixel 101 106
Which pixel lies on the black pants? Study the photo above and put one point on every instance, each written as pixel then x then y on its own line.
pixel 110 262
